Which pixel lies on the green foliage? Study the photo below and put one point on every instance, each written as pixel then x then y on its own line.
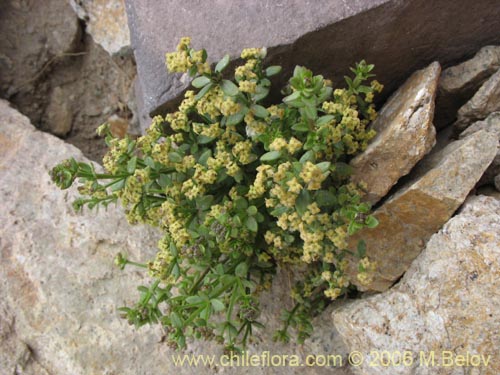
pixel 240 187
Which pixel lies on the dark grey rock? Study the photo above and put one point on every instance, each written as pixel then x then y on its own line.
pixel 328 36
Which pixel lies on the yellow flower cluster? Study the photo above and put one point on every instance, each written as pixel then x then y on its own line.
pixel 258 188
pixel 312 176
pixel 228 107
pixel 246 71
pixel 243 152
pixel 162 260
pixel 278 144
pixel 253 53
pixel 178 121
pixel 247 86
pixel 210 104
pixel 367 269
pixel 276 111
pixel 117 148
pixel 254 126
pixel 184 58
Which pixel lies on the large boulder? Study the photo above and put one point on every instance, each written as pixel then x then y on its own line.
pixel 327 36
pixel 59 288
pixel 444 315
pixel 405 133
pixel 460 82
pixel 407 220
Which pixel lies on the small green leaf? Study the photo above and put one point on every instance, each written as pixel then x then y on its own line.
pixel 270 156
pixel 131 165
pixel 235 119
pixel 251 224
pixel 200 82
pixel 371 222
pixel 252 210
pixel 273 70
pixel 292 97
pixel 194 300
pixel 361 249
pixel 118 185
pixel 203 91
pixel 241 270
pixel 174 157
pixel 229 88
pixel 217 305
pixel 259 111
pixel 303 200
pixel 324 120
pixel 221 65
pixel 353 227
pixel 176 320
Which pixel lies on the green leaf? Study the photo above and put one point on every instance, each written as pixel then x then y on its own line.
pixel 308 156
pixel 241 270
pixel 235 119
pixel 174 157
pixel 259 111
pixel 292 97
pixel 221 65
pixel 324 166
pixel 131 165
pixel 371 222
pixel 203 91
pixel 354 227
pixel 251 224
pixel 118 185
pixel 194 300
pixel 270 156
pixel 252 210
pixel 324 120
pixel 361 248
pixel 303 200
pixel 176 320
pixel 229 88
pixel 217 305
pixel 200 82
pixel 204 202
pixel 301 127
pixel 273 70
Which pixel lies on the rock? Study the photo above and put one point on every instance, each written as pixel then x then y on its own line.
pixel 492 125
pixel 35 35
pixel 485 101
pixel 401 36
pixel 497 182
pixel 460 82
pixel 59 282
pixel 419 209
pixel 445 306
pixel 106 22
pixel 118 126
pixel 59 114
pixel 405 133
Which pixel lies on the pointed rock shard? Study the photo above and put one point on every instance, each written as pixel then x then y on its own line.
pixel 419 209
pixel 447 301
pixel 485 101
pixel 459 83
pixel 405 133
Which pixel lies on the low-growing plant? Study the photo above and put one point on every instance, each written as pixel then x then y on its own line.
pixel 240 188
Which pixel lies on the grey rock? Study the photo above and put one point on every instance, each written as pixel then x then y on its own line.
pixel 492 125
pixel 405 133
pixel 446 304
pixel 438 186
pixel 58 115
pixel 497 182
pixel 398 36
pixel 59 282
pixel 485 101
pixel 106 22
pixel 460 82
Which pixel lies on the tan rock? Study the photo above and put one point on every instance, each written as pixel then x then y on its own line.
pixel 58 281
pixel 106 23
pixel 492 125
pixel 419 209
pixel 447 304
pixel 404 134
pixel 459 83
pixel 485 101
pixel 58 118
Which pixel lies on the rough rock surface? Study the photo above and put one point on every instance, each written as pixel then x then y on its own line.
pixel 327 36
pixel 492 125
pixel 485 101
pixel 106 22
pixel 460 82
pixel 447 302
pixel 59 289
pixel 405 133
pixel 419 209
